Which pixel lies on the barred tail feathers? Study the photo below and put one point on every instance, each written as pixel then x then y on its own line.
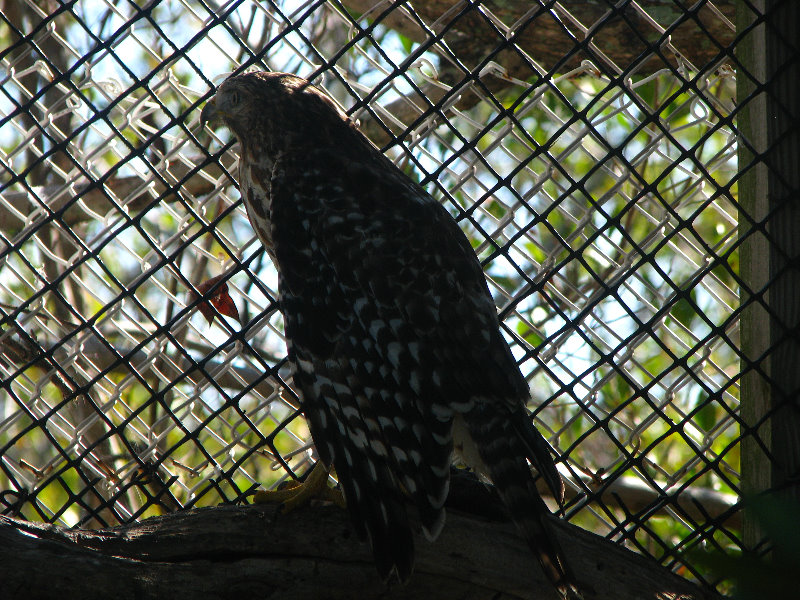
pixel 539 453
pixel 503 452
pixel 379 514
pixel 377 509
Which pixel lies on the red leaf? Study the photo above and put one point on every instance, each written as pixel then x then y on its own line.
pixel 220 299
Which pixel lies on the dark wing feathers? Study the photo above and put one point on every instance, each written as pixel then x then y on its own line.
pixel 390 325
pixel 389 328
pixel 538 452
pixel 501 448
pixel 392 328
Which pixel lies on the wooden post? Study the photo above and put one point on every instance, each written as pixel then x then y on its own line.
pixel 769 163
pixel 783 163
pixel 754 261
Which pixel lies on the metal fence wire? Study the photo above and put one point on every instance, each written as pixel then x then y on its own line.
pixel 589 150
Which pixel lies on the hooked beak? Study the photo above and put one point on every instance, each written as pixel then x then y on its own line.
pixel 210 115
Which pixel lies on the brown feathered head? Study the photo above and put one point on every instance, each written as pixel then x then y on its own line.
pixel 276 111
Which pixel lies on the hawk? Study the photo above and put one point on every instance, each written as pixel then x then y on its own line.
pixel 391 330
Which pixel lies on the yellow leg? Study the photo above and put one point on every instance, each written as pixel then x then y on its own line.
pixel 295 495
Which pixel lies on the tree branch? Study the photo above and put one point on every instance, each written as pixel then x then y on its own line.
pixel 544 39
pixel 622 34
pixel 134 192
pixel 241 551
pixel 616 41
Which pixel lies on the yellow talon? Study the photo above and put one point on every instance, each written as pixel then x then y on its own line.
pixel 297 494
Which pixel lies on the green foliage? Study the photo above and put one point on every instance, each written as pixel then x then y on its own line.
pixel 758 576
pixel 572 178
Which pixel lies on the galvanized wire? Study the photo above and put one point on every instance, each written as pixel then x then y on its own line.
pixel 599 195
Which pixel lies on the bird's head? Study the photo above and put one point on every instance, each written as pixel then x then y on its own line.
pixel 274 110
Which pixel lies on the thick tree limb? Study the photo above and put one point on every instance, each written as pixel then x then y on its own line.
pixel 625 40
pixel 19 208
pixel 312 553
pixel 548 36
pixel 621 38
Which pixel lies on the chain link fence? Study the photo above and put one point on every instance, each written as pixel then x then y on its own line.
pixel 589 150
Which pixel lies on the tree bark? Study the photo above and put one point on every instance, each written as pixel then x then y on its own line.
pixel 621 37
pixel 548 33
pixel 558 39
pixel 134 192
pixel 311 553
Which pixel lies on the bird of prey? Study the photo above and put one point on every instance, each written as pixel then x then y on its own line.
pixel 391 330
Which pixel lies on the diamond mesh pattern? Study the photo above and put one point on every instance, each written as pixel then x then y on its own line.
pixel 597 184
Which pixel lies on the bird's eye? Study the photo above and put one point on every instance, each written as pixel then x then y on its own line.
pixel 234 98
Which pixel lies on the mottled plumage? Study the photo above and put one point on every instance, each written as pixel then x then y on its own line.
pixel 390 326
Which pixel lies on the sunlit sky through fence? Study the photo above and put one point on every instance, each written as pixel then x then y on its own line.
pixel 602 204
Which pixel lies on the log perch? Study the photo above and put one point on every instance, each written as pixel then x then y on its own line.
pixel 255 551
